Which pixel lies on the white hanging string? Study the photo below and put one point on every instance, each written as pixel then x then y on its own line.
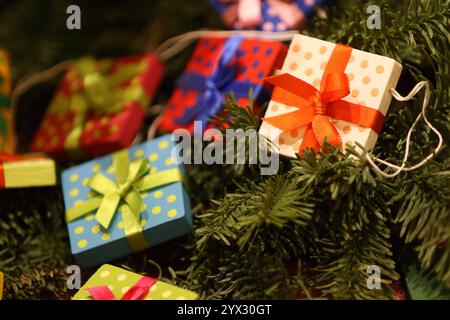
pixel 153 128
pixel 174 45
pixel 27 82
pixel 403 167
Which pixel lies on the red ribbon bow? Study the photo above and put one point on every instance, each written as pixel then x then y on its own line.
pixel 137 292
pixel 317 107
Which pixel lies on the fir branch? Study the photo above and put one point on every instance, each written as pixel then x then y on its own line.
pixel 246 217
pixel 229 274
pixel 425 217
pixel 352 219
pixel 34 242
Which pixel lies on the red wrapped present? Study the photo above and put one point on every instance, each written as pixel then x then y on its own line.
pixel 98 107
pixel 219 66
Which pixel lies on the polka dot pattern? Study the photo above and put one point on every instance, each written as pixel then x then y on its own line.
pixel 101 133
pixel 86 234
pixel 257 59
pixel 171 198
pixel 79 230
pixel 119 281
pixel 82 243
pixel 370 78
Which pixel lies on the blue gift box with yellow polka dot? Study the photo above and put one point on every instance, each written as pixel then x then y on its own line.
pixel 165 211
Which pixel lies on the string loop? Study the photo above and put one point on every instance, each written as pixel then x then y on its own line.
pixel 399 168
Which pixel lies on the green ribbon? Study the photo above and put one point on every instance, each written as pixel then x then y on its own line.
pixel 101 94
pixel 124 194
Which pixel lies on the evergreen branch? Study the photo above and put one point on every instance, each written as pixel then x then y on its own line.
pixel 34 243
pixel 247 216
pixel 425 217
pixel 224 273
pixel 352 219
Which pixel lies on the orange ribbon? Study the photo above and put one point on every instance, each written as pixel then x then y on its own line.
pixel 317 107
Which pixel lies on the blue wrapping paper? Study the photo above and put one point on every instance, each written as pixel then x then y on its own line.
pixel 166 211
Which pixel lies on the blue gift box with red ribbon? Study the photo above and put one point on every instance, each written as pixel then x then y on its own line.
pixel 219 66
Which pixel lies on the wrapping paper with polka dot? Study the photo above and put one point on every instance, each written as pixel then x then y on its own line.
pixel 120 280
pixel 102 133
pixel 271 19
pixel 6 128
pixel 166 211
pixel 256 60
pixel 371 76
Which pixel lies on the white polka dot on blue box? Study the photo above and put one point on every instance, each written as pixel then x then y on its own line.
pixel 164 214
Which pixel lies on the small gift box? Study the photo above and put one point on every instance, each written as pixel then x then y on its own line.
pixel 220 66
pixel 328 92
pixel 266 15
pixel 6 129
pixel 112 283
pixel 29 170
pixel 1 285
pixel 125 202
pixel 98 107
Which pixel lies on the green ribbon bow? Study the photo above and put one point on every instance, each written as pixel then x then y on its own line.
pixel 101 93
pixel 124 194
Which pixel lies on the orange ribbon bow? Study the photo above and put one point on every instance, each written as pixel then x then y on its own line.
pixel 317 107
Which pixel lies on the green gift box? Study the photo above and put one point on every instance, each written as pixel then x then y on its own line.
pixel 120 281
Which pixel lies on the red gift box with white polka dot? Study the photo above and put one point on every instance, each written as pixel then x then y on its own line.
pixel 256 59
pixel 101 133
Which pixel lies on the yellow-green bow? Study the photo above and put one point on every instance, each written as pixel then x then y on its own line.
pixel 123 194
pixel 101 94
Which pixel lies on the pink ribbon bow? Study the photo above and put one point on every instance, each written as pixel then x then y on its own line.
pixel 137 292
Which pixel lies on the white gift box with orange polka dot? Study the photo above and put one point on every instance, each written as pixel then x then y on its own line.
pixel 119 281
pixel 165 211
pixel 371 76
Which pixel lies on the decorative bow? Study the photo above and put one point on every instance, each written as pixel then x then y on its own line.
pixel 123 194
pixel 248 14
pixel 316 107
pixel 137 292
pixel 211 89
pixel 99 93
